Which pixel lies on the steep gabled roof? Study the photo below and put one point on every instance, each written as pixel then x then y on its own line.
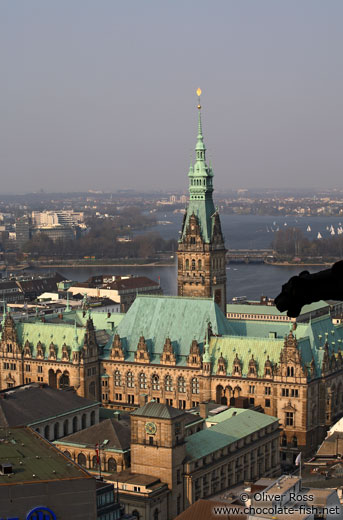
pixel 180 319
pixel 118 435
pixel 158 411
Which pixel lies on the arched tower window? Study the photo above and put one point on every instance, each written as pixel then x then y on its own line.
pixel 168 384
pixel 195 385
pixel 155 380
pixel 142 380
pixel 181 385
pixel 117 378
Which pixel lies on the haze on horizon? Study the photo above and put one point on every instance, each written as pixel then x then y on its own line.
pixel 101 95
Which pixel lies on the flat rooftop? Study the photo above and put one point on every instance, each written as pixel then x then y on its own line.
pixel 34 459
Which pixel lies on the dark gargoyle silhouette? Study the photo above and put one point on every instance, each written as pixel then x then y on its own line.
pixel 308 288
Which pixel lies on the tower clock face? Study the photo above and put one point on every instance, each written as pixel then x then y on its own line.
pixel 150 428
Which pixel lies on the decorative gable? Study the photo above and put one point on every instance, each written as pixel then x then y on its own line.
pixel 40 350
pixel 142 354
pixel 168 356
pixel 52 351
pixel 27 349
pixel 194 357
pixel 252 370
pixel 117 352
pixel 221 369
pixel 237 367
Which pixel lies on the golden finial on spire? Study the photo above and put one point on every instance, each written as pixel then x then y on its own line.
pixel 199 94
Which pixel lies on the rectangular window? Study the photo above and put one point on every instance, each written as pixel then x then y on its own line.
pixel 182 404
pixel 6 366
pixel 39 369
pixel 27 380
pixel 40 379
pixel 89 372
pixel 251 389
pixel 169 402
pixel 289 418
pixel 267 390
pixel 13 366
pixel 294 392
pixel 285 392
pixel 251 400
pixel 105 397
pixel 267 403
pixel 27 368
pixel 131 399
pixel 93 371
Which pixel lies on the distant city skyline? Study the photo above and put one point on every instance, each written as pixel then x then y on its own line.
pixel 102 95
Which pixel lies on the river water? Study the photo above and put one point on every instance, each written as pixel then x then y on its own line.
pixel 241 232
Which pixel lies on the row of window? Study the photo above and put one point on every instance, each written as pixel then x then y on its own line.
pixel 155 382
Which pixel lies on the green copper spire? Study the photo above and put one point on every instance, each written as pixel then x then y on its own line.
pixel 200 186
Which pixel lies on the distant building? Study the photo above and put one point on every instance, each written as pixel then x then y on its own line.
pixel 23 231
pixel 122 289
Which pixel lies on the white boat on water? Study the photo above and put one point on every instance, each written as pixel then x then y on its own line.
pixel 285 224
pixel 319 236
pixel 308 228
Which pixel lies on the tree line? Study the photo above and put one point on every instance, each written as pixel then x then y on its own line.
pixel 291 242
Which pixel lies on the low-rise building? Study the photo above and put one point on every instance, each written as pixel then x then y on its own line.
pixel 50 412
pixel 171 469
pixel 103 448
pixel 35 476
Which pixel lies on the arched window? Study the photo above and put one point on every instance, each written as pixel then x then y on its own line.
pixel 81 459
pixel 181 385
pixel 193 265
pixel 56 430
pixel 199 264
pixel 290 371
pixel 117 378
pixel 92 418
pixel 187 264
pixel 142 380
pixel 284 440
pixel 156 515
pixel 155 380
pixel 135 512
pixel 65 428
pixel 95 463
pixel 9 347
pixel 294 441
pixel 47 431
pixel 64 380
pixel 168 384
pixel 195 385
pixel 84 421
pixel 112 465
pixel 75 425
pixel 130 380
pixel 67 454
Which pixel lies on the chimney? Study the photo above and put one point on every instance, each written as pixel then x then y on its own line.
pixel 203 410
pixel 142 399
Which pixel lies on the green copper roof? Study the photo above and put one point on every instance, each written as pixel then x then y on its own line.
pixel 222 416
pixel 271 310
pixel 159 317
pixel 47 333
pixel 226 432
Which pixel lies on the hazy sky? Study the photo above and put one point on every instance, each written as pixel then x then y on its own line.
pixel 101 94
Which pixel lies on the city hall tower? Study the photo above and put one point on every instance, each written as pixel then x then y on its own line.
pixel 201 250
